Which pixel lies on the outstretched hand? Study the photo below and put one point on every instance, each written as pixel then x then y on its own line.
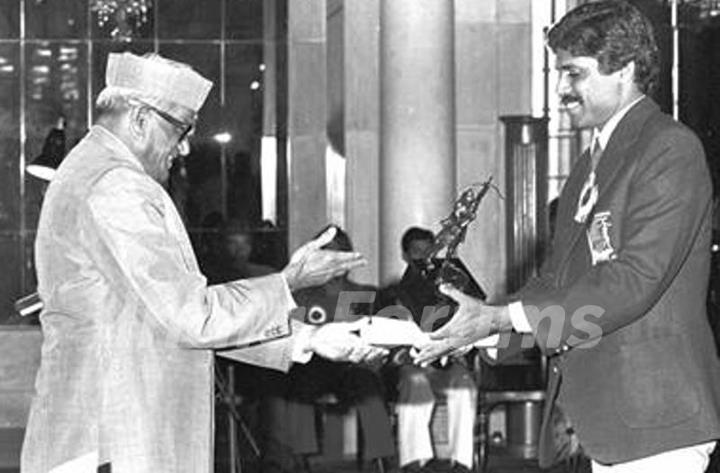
pixel 340 341
pixel 310 265
pixel 473 321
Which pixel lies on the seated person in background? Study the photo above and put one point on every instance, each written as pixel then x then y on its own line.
pixel 353 385
pixel 418 387
pixel 226 247
pixel 238 246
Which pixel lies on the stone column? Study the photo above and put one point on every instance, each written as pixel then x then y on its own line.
pixel 306 140
pixel 417 121
pixel 362 130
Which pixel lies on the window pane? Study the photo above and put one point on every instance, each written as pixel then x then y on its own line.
pixel 10 248
pixel 108 24
pixel 10 19
pixel 56 88
pixel 189 19
pixel 244 19
pixel 243 121
pixel 56 19
pixel 244 87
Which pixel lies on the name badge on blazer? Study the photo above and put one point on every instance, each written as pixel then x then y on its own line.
pixel 598 234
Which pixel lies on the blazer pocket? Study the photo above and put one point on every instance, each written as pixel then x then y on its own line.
pixel 655 391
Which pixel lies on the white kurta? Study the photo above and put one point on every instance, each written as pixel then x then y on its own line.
pixel 126 373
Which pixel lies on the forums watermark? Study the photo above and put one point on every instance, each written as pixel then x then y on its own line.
pixel 559 328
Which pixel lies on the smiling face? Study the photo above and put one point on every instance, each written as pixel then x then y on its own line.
pixel 590 96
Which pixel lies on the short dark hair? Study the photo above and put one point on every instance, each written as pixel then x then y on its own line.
pixel 615 33
pixel 413 234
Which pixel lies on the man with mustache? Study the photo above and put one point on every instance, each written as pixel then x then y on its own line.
pixel 620 304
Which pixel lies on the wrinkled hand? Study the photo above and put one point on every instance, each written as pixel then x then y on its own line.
pixel 310 265
pixel 339 341
pixel 473 321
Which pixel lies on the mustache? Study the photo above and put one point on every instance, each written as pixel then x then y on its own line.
pixel 566 99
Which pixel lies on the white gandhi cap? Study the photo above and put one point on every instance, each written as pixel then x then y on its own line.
pixel 171 86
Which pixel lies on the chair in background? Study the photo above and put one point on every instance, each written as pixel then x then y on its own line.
pixel 523 402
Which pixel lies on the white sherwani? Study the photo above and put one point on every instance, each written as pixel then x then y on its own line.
pixel 127 371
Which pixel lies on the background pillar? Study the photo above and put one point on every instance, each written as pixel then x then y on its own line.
pixel 417 121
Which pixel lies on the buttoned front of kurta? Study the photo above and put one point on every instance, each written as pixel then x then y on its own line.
pixel 127 372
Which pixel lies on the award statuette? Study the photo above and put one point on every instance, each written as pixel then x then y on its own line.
pixel 447 270
pixel 418 291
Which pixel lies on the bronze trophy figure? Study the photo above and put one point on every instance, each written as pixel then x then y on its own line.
pixel 454 229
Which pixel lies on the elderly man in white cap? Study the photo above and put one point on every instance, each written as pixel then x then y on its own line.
pixel 125 382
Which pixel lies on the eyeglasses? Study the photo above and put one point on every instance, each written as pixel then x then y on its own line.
pixel 185 127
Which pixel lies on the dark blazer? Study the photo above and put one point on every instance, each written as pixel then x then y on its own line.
pixel 633 361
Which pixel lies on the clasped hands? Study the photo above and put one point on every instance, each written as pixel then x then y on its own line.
pixel 311 265
pixel 473 321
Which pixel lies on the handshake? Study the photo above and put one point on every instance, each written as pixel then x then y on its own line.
pixel 475 324
pixel 364 340
pixel 369 338
pixel 340 341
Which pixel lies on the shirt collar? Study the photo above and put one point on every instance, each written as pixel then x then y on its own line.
pixel 603 135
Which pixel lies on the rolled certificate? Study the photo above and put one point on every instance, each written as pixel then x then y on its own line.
pixel 387 332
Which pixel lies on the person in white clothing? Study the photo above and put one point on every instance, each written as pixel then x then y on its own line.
pixel 129 322
pixel 421 390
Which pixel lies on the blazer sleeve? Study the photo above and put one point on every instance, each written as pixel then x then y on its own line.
pixel 144 253
pixel 667 205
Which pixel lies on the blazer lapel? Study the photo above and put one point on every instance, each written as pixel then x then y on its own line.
pixel 566 212
pixel 624 136
pixel 613 158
